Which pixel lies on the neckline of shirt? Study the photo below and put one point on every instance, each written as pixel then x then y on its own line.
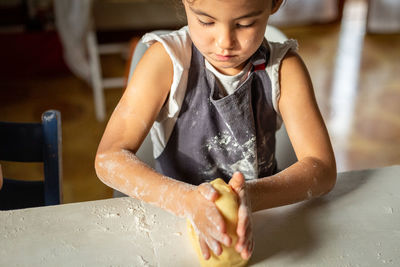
pixel 229 83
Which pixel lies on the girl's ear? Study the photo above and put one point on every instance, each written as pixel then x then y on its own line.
pixel 275 5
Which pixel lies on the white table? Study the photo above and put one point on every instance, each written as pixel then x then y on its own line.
pixel 357 224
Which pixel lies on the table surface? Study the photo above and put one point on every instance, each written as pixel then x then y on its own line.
pixel 357 224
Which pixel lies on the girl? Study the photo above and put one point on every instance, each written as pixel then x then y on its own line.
pixel 213 95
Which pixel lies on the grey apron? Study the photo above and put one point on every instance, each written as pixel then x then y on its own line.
pixel 214 137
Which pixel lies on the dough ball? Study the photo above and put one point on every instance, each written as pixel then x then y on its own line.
pixel 227 204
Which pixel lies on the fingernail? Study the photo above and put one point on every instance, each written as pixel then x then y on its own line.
pixel 227 241
pixel 215 248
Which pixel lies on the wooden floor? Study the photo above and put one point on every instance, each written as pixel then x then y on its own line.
pixel 359 97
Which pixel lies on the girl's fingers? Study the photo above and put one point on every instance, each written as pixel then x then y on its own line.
pixel 204 248
pixel 237 181
pixel 211 223
pixel 244 232
pixel 217 228
pixel 221 237
pixel 239 245
pixel 243 220
pixel 214 246
pixel 247 249
pixel 246 253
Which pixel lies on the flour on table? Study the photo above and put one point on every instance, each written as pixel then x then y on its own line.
pixel 142 261
pixel 133 214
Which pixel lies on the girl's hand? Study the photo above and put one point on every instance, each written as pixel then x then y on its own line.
pixel 206 219
pixel 244 230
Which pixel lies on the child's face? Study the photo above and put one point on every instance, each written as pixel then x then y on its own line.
pixel 227 32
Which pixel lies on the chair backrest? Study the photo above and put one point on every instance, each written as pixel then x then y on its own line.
pixel 284 151
pixel 33 142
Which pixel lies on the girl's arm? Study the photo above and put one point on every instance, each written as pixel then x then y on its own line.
pixel 117 165
pixel 315 172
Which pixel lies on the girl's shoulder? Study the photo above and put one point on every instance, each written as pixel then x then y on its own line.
pixel 278 51
pixel 177 44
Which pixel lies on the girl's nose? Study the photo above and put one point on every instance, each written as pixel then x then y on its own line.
pixel 226 39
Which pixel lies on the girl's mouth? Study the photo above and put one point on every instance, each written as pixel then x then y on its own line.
pixel 223 57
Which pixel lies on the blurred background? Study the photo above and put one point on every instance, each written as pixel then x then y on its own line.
pixel 74 56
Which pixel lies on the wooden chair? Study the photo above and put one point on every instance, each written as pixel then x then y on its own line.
pixel 32 142
pixel 120 15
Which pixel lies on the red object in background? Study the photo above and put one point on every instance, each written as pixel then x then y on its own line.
pixel 31 53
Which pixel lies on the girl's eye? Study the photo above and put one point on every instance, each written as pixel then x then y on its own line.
pixel 206 24
pixel 244 25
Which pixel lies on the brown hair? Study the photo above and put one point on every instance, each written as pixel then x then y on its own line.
pixel 179 4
